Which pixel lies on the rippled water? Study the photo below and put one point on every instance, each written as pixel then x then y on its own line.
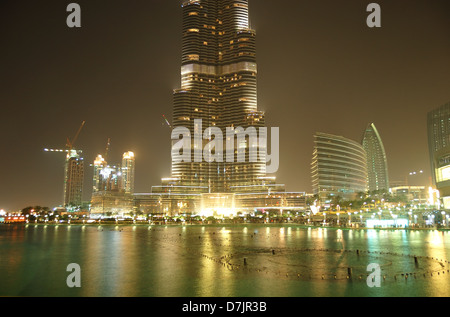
pixel 198 261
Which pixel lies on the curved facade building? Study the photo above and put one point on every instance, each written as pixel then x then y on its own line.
pixel 338 167
pixel 377 168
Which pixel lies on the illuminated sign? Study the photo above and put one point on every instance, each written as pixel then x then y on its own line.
pixel 443 173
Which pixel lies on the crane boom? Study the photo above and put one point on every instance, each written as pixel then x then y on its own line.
pixel 71 143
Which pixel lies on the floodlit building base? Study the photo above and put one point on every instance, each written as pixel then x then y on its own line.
pixel 111 204
pixel 218 205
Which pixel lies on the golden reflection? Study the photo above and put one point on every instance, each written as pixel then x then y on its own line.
pixel 207 266
pixel 186 261
pixel 282 236
pixel 438 250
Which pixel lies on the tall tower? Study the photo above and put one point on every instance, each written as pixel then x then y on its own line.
pixel 73 180
pixel 127 170
pixel 377 168
pixel 218 86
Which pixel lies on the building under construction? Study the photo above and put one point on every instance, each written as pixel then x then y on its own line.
pixel 73 174
pixel 113 187
pixel 73 180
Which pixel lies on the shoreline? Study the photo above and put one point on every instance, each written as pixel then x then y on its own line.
pixel 302 226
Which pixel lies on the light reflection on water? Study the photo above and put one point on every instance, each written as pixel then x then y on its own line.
pixel 191 261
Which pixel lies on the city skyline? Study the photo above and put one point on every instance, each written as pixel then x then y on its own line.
pixel 118 79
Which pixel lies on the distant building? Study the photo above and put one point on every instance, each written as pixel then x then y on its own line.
pixel 414 194
pixel 338 167
pixel 73 180
pixel 438 124
pixel 99 164
pixel 127 170
pixel 377 167
pixel 398 183
pixel 113 187
pixel 111 204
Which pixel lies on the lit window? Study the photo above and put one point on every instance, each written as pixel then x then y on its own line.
pixel 194 57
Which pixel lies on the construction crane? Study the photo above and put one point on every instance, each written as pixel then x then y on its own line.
pixel 69 143
pixel 105 155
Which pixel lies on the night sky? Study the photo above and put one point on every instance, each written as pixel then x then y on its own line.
pixel 320 68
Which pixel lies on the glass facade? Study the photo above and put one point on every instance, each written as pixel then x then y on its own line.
pixel 218 86
pixel 377 168
pixel 338 167
pixel 438 125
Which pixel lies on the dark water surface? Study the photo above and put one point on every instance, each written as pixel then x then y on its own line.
pixel 199 261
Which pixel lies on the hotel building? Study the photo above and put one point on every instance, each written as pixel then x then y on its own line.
pixel 338 167
pixel 377 168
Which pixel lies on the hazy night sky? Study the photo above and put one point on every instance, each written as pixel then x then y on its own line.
pixel 320 68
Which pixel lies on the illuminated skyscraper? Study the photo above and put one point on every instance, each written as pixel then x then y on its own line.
pixel 127 171
pixel 218 91
pixel 338 167
pixel 377 169
pixel 439 150
pixel 99 164
pixel 218 86
pixel 73 180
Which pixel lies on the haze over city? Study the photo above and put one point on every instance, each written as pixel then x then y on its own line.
pixel 320 68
